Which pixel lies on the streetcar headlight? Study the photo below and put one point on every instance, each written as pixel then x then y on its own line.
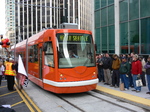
pixel 94 74
pixel 62 77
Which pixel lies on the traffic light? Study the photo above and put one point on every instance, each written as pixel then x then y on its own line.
pixel 5 43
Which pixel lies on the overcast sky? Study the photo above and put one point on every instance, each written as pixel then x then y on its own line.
pixel 2 17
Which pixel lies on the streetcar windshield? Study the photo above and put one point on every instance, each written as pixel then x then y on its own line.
pixel 75 49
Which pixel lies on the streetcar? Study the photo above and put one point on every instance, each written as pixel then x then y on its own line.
pixel 60 60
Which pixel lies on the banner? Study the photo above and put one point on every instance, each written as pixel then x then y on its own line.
pixel 22 74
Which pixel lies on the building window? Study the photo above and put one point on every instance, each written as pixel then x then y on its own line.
pixel 134 36
pixel 145 36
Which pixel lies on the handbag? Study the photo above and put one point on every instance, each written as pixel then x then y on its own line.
pixel 121 86
pixel 139 83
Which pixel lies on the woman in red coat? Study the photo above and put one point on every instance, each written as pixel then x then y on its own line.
pixel 136 71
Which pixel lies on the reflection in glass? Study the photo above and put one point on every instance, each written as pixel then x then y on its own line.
pixel 124 10
pixel 133 9
pixel 134 36
pixel 145 8
pixel 104 40
pixel 111 36
pixel 145 36
pixel 124 37
pixel 75 50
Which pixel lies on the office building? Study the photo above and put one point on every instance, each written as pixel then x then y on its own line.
pixel 122 26
pixel 34 15
pixel 10 20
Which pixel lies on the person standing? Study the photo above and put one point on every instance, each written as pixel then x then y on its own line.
pixel 147 67
pixel 129 59
pixel 136 70
pixel 115 67
pixel 10 73
pixel 100 68
pixel 107 64
pixel 143 70
pixel 2 69
pixel 124 70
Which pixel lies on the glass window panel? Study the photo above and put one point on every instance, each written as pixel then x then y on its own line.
pixel 104 39
pixel 133 9
pixel 97 4
pixel 111 14
pixel 134 36
pixel 111 36
pixel 103 3
pixel 103 17
pixel 124 37
pixel 97 19
pixel 75 49
pixel 97 39
pixel 145 8
pixel 110 2
pixel 124 10
pixel 145 36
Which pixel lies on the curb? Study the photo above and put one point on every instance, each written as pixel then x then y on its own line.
pixel 135 100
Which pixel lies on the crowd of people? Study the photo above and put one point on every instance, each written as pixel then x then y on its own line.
pixel 124 69
pixel 8 70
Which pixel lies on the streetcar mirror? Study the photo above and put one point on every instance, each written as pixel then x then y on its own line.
pixel 45 47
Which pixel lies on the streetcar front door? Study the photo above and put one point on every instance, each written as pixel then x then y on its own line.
pixel 40 63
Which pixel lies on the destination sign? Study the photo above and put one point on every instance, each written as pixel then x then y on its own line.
pixel 73 38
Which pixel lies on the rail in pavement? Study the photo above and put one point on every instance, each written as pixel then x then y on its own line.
pixel 18 99
pixel 139 99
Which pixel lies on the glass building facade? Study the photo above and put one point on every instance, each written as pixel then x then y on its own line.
pixel 134 16
pixel 32 16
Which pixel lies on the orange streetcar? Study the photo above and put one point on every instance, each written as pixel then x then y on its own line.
pixel 60 60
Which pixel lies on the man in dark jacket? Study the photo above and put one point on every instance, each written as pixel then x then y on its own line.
pixel 115 67
pixel 147 67
pixel 107 66
pixel 124 71
pixel 100 68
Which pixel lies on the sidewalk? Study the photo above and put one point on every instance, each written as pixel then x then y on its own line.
pixel 141 99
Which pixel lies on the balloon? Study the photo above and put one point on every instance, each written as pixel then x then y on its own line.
pixel 8 43
pixel 4 45
pixel 7 46
pixel 7 40
pixel 4 42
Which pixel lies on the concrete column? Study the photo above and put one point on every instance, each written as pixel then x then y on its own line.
pixel 32 17
pixel 51 13
pixel 41 15
pixel 23 34
pixel 73 11
pixel 18 27
pixel 68 11
pixel 27 20
pixel 117 28
pixel 79 14
pixel 36 17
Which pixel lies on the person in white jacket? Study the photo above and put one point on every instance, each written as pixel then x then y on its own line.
pixel 2 69
pixel 143 70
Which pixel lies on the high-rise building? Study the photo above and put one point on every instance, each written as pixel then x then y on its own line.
pixel 10 19
pixel 34 15
pixel 124 30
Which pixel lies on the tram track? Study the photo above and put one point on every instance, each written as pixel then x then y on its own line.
pixel 75 106
pixel 101 98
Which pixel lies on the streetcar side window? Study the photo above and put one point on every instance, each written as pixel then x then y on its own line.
pixel 33 54
pixel 49 55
